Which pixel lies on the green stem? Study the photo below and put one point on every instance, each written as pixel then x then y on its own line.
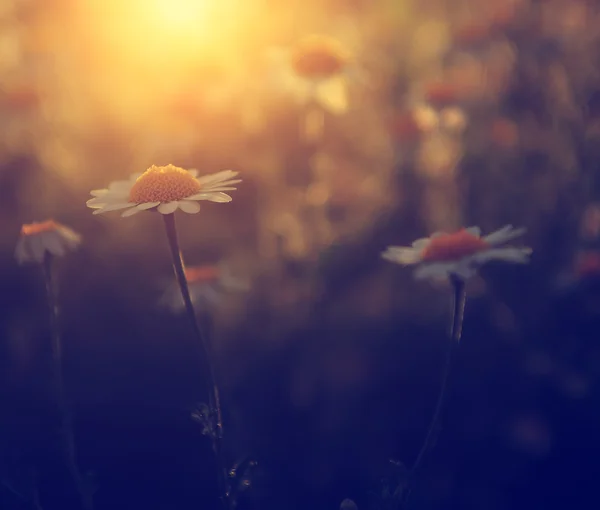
pixel 214 398
pixel 458 310
pixel 67 435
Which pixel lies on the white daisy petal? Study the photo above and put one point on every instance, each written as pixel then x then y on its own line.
pixel 193 172
pixel 130 212
pixel 218 197
pixel 147 205
pixel 113 207
pixel 95 203
pixel 69 237
pixel 466 268
pixel 52 243
pixel 168 207
pixel 21 251
pixel 475 231
pixel 218 188
pixel 223 175
pixel 98 192
pixel 436 270
pixel 189 207
pixel 506 233
pixel 402 255
pixel 218 184
pixel 514 255
pixel 420 244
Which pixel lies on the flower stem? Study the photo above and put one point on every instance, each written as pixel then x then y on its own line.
pixel 214 398
pixel 67 434
pixel 458 310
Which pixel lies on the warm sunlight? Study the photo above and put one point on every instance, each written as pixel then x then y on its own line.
pixel 171 33
pixel 179 15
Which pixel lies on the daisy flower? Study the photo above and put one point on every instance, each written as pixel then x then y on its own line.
pixel 460 254
pixel 316 69
pixel 45 238
pixel 165 189
pixel 208 285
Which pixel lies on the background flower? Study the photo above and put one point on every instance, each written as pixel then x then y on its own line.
pixel 47 237
pixel 461 253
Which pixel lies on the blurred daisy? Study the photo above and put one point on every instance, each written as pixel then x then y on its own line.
pixel 165 189
pixel 47 237
pixel 208 285
pixel 316 70
pixel 459 254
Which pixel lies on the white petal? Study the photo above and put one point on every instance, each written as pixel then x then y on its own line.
pixel 95 203
pixel 52 243
pixel 466 268
pixel 216 188
pixel 130 212
pixel 193 172
pixel 98 192
pixel 189 207
pixel 168 207
pixel 113 207
pixel 138 208
pixel 503 235
pixel 514 255
pixel 21 251
pixel 218 184
pixel 69 238
pixel 402 255
pixel 475 231
pixel 147 205
pixel 436 270
pixel 420 244
pixel 221 176
pixel 36 249
pixel 218 197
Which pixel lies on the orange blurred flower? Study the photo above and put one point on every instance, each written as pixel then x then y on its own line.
pixel 318 57
pixel 47 237
pixel 460 253
pixel 440 94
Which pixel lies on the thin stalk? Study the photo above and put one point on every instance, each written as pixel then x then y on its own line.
pixel 458 311
pixel 66 431
pixel 213 397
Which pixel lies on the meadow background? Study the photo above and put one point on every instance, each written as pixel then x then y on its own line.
pixel 459 112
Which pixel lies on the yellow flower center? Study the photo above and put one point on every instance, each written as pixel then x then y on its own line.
pixel 452 247
pixel 32 229
pixel 163 184
pixel 317 57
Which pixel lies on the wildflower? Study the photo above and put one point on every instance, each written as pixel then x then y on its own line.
pixel 165 189
pixel 459 254
pixel 315 70
pixel 318 57
pixel 208 284
pixel 47 237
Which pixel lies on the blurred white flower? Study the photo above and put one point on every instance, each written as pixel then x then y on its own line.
pixel 315 70
pixel 460 254
pixel 164 188
pixel 47 237
pixel 208 285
